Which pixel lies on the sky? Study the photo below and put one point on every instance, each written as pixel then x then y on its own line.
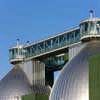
pixel 34 20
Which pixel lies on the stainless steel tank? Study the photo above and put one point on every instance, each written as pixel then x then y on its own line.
pixel 73 82
pixel 14 85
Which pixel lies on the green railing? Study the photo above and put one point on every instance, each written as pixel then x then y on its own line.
pixel 57 46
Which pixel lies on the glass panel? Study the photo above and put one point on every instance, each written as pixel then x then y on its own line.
pixel 92 29
pixel 98 27
pixel 86 27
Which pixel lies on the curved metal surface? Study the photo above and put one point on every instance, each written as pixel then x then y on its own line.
pixel 73 82
pixel 14 85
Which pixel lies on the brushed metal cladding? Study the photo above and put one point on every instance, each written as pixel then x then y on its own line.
pixel 14 85
pixel 18 83
pixel 27 67
pixel 35 72
pixel 73 82
pixel 74 50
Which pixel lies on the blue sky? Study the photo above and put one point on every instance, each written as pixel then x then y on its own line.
pixel 36 19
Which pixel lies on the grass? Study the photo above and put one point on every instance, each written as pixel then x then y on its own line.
pixel 94 77
pixel 35 97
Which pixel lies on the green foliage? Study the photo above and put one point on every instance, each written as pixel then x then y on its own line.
pixel 35 97
pixel 66 58
pixel 94 77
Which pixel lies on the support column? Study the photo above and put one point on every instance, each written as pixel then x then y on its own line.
pixel 35 72
pixel 38 73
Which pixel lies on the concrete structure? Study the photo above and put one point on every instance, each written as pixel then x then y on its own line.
pixel 57 50
pixel 35 63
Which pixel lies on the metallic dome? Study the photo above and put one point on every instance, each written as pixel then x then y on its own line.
pixel 73 82
pixel 14 85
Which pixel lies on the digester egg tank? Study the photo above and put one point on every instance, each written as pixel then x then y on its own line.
pixel 80 77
